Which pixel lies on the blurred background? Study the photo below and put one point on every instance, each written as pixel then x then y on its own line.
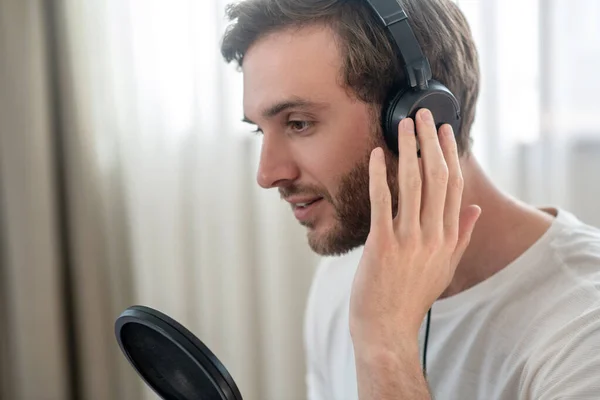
pixel 126 177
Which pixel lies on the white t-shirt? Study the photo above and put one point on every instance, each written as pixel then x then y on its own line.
pixel 531 331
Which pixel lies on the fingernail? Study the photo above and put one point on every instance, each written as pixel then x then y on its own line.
pixel 407 125
pixel 448 131
pixel 378 152
pixel 426 115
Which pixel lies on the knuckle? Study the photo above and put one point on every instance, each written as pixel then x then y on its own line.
pixel 440 174
pixel 409 236
pixel 382 197
pixel 414 182
pixel 379 241
pixel 434 241
pixel 456 183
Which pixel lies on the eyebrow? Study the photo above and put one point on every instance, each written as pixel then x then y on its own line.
pixel 284 105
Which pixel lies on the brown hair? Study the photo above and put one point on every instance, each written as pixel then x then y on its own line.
pixel 370 66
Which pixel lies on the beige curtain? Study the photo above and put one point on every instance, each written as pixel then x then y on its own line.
pixel 110 196
pixel 59 294
pixel 33 330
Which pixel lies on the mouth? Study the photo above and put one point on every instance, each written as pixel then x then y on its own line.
pixel 304 210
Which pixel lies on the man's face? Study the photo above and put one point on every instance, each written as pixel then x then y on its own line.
pixel 317 137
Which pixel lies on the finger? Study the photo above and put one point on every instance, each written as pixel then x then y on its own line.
pixel 468 219
pixel 409 176
pixel 379 193
pixel 435 173
pixel 454 189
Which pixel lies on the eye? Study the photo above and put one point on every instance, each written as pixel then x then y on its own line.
pixel 299 126
pixel 257 131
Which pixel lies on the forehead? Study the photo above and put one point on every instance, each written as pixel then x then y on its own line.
pixel 297 62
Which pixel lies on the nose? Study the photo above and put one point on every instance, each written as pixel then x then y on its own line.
pixel 277 166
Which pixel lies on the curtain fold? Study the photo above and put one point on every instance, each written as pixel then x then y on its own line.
pixel 33 325
pixel 100 264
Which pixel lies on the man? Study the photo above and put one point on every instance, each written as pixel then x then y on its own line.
pixel 514 291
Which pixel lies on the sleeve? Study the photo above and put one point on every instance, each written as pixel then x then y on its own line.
pixel 568 366
pixel 315 377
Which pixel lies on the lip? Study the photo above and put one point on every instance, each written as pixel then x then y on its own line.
pixel 301 199
pixel 304 213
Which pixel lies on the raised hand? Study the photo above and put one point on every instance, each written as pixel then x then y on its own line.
pixel 408 261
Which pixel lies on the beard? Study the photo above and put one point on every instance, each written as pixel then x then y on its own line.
pixel 351 203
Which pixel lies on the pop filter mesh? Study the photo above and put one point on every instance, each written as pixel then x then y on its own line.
pixel 166 366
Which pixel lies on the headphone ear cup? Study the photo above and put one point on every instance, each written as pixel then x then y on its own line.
pixel 405 103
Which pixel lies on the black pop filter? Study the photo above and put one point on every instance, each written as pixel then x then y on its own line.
pixel 170 359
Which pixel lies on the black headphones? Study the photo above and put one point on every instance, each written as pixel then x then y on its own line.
pixel 419 91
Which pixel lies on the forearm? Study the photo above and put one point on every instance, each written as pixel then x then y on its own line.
pixel 385 374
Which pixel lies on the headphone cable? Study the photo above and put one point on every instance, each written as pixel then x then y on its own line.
pixel 425 343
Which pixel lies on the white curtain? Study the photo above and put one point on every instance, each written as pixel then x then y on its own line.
pixel 160 206
pixel 536 130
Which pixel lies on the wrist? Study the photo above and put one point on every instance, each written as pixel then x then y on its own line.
pixel 389 352
pixel 383 337
pixel 390 370
pixel 384 331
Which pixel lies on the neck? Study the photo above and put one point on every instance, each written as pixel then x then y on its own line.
pixel 504 231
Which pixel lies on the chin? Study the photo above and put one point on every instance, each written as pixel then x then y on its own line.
pixel 331 240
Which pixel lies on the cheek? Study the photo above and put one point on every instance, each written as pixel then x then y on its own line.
pixel 346 137
pixel 331 154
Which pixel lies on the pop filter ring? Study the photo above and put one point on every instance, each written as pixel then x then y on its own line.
pixel 183 339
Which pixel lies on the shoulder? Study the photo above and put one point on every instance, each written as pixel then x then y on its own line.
pixel 567 286
pixel 566 358
pixel 577 240
pixel 566 363
pixel 576 252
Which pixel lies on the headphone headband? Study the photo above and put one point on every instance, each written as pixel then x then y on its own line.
pixel 395 20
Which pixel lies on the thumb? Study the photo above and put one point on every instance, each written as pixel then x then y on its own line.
pixel 467 220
